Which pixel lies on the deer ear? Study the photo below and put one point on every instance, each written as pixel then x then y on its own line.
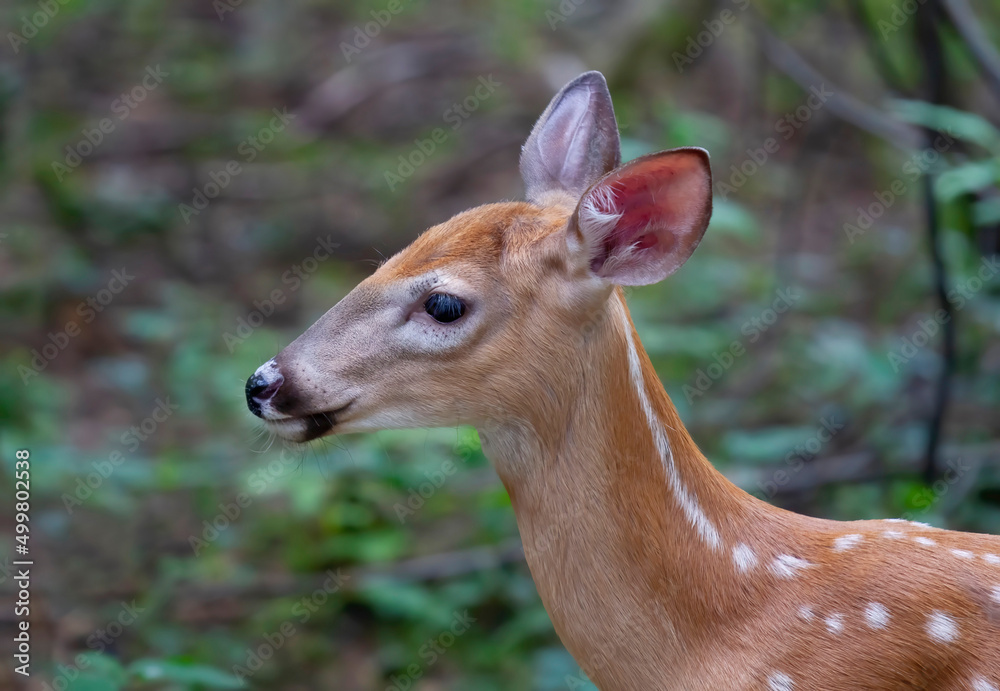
pixel 574 142
pixel 640 223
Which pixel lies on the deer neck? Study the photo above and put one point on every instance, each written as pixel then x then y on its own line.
pixel 626 526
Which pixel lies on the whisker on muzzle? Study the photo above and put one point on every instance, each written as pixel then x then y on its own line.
pixel 270 442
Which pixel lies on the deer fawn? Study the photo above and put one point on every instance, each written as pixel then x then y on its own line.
pixel 657 572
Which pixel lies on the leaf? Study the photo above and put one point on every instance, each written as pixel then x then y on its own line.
pixel 371 546
pixel 967 178
pixel 686 128
pixel 521 629
pixel 89 682
pixel 957 123
pixel 733 219
pixel 98 672
pixel 986 212
pixel 200 675
pixel 404 601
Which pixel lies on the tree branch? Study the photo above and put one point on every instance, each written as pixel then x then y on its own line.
pixel 842 105
pixel 969 28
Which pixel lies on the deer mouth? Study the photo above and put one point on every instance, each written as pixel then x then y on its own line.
pixel 304 428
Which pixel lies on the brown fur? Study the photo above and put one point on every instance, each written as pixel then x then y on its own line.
pixel 638 599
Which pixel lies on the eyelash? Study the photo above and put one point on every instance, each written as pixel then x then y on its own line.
pixel 444 308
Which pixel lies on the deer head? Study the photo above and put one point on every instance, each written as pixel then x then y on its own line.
pixel 481 318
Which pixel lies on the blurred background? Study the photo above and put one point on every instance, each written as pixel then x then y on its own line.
pixel 187 185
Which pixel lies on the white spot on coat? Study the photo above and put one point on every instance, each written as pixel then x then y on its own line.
pixel 992 559
pixel 926 541
pixel 941 627
pixel 806 613
pixel 846 542
pixel 787 566
pixel 996 594
pixel 963 553
pixel 780 682
pixel 835 623
pixel 877 615
pixel 980 684
pixel 744 558
pixel 892 534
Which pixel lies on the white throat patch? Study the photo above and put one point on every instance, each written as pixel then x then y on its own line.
pixel 687 501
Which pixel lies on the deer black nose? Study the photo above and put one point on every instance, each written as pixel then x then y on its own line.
pixel 260 388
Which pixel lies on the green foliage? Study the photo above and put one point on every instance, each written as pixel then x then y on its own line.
pixel 966 126
pixel 226 537
pixel 102 673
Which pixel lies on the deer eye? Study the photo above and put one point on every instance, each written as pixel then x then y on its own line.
pixel 443 307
